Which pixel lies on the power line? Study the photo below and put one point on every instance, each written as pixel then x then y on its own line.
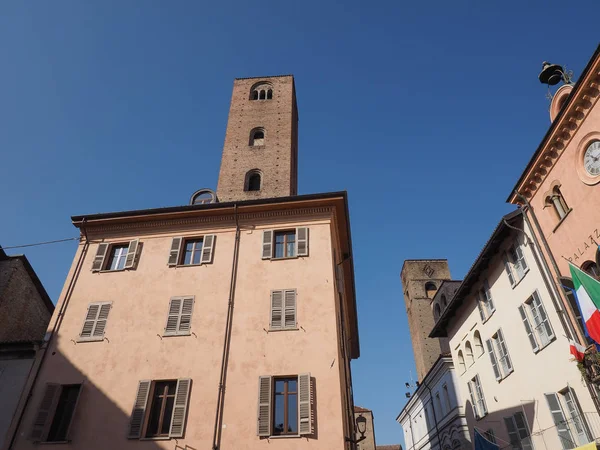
pixel 41 243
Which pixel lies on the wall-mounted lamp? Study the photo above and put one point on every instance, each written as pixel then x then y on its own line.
pixel 361 426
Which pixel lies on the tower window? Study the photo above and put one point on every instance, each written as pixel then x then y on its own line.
pixel 253 181
pixel 556 200
pixel 262 90
pixel 269 94
pixel 430 289
pixel 257 137
pixel 254 95
pixel 262 95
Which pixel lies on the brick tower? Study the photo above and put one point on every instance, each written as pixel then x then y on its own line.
pixel 420 280
pixel 260 155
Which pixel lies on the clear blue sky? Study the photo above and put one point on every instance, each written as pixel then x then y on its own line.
pixel 426 112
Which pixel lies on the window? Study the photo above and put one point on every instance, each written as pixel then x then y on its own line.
pixel 120 256
pixel 261 94
pixel 253 181
pixel 515 264
pixel 179 318
pixel 461 362
pixel 436 311
pixel 94 324
pixel 203 197
pixel 160 408
pixel 192 251
pixel 283 309
pixel 556 201
pixel 499 357
pixel 485 303
pixel 490 435
pixel 284 406
pixel 257 137
pixel 518 431
pixel 478 343
pixel 444 301
pixel 469 353
pixel 55 413
pixel 591 268
pixel 477 400
pixel 279 244
pixel 430 289
pixel 447 401
pixel 536 322
pixel 570 423
pixel 438 402
pixel 269 94
pixel 263 90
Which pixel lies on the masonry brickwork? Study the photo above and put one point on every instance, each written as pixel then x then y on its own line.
pixel 415 275
pixel 276 156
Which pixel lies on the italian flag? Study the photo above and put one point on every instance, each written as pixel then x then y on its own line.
pixel 587 293
pixel 577 350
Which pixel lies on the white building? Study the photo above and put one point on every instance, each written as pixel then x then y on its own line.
pixel 434 417
pixel 508 340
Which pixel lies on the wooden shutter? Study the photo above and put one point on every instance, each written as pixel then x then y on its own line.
pixel 95 321
pixel 521 256
pixel 174 254
pixel 276 309
pixel 182 396
pixel 45 412
pixel 267 244
pixel 208 243
pixel 90 321
pixel 301 241
pixel 98 263
pixel 527 325
pixel 513 435
pixel 139 410
pixel 101 321
pixel 504 349
pixel 304 404
pixel 537 302
pixel 173 317
pixel 480 396
pixel 508 270
pixel 185 319
pixel 264 406
pixel 290 309
pixel 473 401
pixel 480 307
pixel 488 296
pixel 132 254
pixel 495 367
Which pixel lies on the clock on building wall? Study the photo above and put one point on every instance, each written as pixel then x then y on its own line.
pixel 588 159
pixel 591 159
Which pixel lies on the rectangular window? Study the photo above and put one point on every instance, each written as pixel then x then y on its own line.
pixel 285 411
pixel 500 351
pixel 114 257
pixel 541 324
pixel 283 309
pixel 570 423
pixel 285 244
pixel 438 402
pixel 518 431
pixel 447 398
pixel 280 244
pixel 191 251
pixel 94 324
pixel 515 264
pixel 161 409
pixel 477 399
pixel 117 257
pixel 55 413
pixel 490 435
pixel 179 319
pixel 485 302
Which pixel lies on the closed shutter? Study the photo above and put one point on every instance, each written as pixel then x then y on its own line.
pixel 267 244
pixel 101 320
pixel 174 254
pixel 276 309
pixel 132 250
pixel 264 406
pixel 516 262
pixel 304 404
pixel 560 420
pixel 302 241
pixel 521 256
pixel 523 430
pixel 488 297
pixel 490 349
pixel 508 270
pixel 545 326
pixel 179 318
pixel 185 320
pixel 98 263
pixel 290 309
pixel 95 321
pixel 507 363
pixel 90 320
pixel 513 434
pixel 182 396
pixel 208 244
pixel 45 413
pixel 527 325
pixel 139 410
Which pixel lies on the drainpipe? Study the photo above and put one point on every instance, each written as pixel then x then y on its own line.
pixel 227 339
pixel 55 328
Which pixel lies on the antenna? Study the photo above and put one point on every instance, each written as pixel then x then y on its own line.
pixel 411 386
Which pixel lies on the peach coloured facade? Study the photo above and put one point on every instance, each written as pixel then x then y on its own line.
pixel 134 348
pixel 550 370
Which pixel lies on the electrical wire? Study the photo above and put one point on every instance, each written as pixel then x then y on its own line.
pixel 41 243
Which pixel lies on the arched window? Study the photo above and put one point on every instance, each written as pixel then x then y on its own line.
pixel 430 289
pixel 591 268
pixel 444 301
pixel 478 343
pixel 257 137
pixel 253 181
pixel 262 95
pixel 202 197
pixel 469 353
pixel 254 95
pixel 269 94
pixel 555 199
pixel 461 362
pixel 263 90
pixel 436 312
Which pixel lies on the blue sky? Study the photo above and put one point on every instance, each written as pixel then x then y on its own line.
pixel 425 112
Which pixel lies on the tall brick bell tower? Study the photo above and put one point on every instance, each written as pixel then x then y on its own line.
pixel 420 280
pixel 260 155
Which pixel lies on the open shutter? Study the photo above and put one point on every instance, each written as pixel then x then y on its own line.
pixel 182 396
pixel 480 396
pixel 527 325
pixel 480 308
pixel 521 256
pixel 99 258
pixel 304 404
pixel 276 309
pixel 290 309
pixel 45 413
pixel 547 328
pixel 504 349
pixel 131 254
pixel 101 321
pixel 267 244
pixel 508 269
pixel 490 349
pixel 90 320
pixel 185 321
pixel 173 317
pixel 139 410
pixel 513 435
pixel 488 296
pixel 174 254
pixel 264 406
pixel 560 420
pixel 208 243
pixel 473 401
pixel 302 241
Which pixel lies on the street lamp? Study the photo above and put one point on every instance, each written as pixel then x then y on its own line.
pixel 361 426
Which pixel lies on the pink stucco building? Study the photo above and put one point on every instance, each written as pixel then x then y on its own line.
pixel 226 323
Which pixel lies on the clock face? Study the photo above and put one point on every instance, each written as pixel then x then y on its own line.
pixel 591 159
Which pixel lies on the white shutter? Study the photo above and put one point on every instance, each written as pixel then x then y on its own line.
pixel 521 256
pixel 490 349
pixel 302 241
pixel 173 317
pixel 277 309
pixel 267 244
pixel 513 434
pixel 473 401
pixel 545 326
pixel 174 253
pixel 185 319
pixel 289 309
pixel 480 396
pixel 480 307
pixel 508 270
pixel 182 396
pixel 263 427
pixel 45 413
pixel 98 263
pixel 488 297
pixel 139 410
pixel 208 244
pixel 560 420
pixel 132 250
pixel 527 325
pixel 304 404
pixel 504 350
pixel 523 429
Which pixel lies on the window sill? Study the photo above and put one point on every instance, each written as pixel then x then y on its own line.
pixel 156 438
pixel 488 317
pixel 190 265
pixel 516 283
pixel 94 339
pixel 482 417
pixel 114 271
pixel 283 258
pixel 562 220
pixel 285 436
pixel 505 376
pixel 274 330
pixel 177 335
pixel 546 345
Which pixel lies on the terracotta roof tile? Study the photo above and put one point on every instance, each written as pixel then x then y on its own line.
pixel 360 409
